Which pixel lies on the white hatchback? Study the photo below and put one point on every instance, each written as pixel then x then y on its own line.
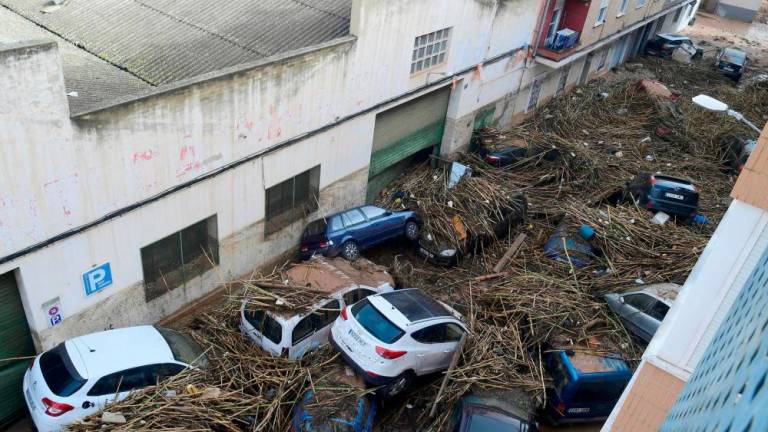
pixel 292 333
pixel 391 338
pixel 82 375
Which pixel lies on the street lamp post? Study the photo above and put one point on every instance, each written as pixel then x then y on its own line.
pixel 714 105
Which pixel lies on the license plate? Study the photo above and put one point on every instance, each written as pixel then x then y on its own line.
pixel 675 196
pixel 728 68
pixel 356 337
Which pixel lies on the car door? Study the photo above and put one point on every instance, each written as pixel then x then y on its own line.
pixel 356 226
pixel 382 225
pixel 438 343
pixel 116 386
pixel 324 318
pixel 634 314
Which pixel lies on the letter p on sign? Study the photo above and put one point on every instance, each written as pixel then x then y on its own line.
pixel 97 278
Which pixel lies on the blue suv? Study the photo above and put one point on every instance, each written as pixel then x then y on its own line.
pixel 659 192
pixel 353 230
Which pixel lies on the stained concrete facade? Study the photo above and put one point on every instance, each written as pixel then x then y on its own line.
pixel 96 187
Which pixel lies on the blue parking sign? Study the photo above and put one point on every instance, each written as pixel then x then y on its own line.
pixel 97 278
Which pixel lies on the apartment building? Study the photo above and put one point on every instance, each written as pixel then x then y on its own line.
pixel 152 150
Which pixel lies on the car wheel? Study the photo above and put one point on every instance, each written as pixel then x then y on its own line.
pixel 411 230
pixel 400 384
pixel 350 251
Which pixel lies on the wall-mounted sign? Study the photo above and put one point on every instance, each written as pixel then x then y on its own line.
pixel 97 278
pixel 52 310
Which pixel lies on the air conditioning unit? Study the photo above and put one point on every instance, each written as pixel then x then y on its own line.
pixel 565 39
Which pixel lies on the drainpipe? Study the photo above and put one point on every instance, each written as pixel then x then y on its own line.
pixel 538 29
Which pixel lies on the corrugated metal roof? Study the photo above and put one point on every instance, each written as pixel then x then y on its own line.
pixel 95 81
pixel 163 41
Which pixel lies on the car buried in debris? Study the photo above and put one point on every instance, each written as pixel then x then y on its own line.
pixel 731 63
pixel 294 331
pixel 349 232
pixel 663 193
pixel 664 44
pixel 642 309
pixel 391 338
pixel 84 374
pixel 585 387
pixel 507 411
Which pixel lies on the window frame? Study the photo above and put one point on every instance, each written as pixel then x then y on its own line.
pixel 602 13
pixel 351 224
pixel 536 86
pixel 640 3
pixel 603 59
pixel 652 301
pixel 622 8
pixel 421 61
pixel 282 206
pixel 155 259
pixel 143 370
pixel 250 316
pixel 562 81
pixel 346 295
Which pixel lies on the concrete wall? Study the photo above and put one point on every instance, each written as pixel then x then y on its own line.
pixel 742 10
pixel 307 108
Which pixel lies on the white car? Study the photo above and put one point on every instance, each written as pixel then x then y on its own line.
pixel 81 376
pixel 292 333
pixel 391 338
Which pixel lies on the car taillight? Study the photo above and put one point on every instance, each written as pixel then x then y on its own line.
pixel 492 159
pixel 284 353
pixel 652 180
pixel 325 244
pixel 649 205
pixel 344 314
pixel 372 374
pixel 389 354
pixel 666 46
pixel 560 408
pixel 304 248
pixel 55 409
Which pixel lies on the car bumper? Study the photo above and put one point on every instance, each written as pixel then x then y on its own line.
pixel 369 379
pixel 671 207
pixel 327 251
pixel 43 423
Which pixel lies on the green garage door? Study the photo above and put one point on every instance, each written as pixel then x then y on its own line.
pixel 15 342
pixel 403 131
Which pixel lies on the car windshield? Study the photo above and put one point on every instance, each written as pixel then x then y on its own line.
pixel 184 349
pixel 265 324
pixel 315 228
pixel 734 56
pixel 481 421
pixel 375 322
pixel 59 373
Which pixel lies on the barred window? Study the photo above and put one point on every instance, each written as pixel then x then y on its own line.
pixel 430 50
pixel 180 257
pixel 292 200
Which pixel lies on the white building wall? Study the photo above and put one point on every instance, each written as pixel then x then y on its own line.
pixel 68 173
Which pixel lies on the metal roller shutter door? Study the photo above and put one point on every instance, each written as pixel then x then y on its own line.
pixel 15 342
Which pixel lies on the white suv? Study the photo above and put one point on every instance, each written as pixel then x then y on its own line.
pixel 391 338
pixel 81 376
pixel 292 333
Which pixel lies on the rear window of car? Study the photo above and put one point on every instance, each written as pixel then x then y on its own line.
pixel 375 322
pixel 183 348
pixel 315 228
pixel 481 421
pixel 671 182
pixel 59 373
pixel 735 57
pixel 265 324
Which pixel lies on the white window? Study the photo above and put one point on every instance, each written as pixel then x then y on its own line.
pixel 639 3
pixel 430 50
pixel 623 7
pixel 601 14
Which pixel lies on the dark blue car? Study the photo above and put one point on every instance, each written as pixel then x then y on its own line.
pixel 585 387
pixel 353 230
pixel 659 192
pixel 357 418
pixel 503 411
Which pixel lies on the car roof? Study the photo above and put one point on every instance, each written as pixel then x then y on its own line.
pixel 666 292
pixel 98 354
pixel 414 305
pixel 673 36
pixel 346 210
pixel 584 363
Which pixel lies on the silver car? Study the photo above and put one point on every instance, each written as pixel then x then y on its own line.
pixel 642 310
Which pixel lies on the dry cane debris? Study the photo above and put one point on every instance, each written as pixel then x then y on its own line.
pixel 517 311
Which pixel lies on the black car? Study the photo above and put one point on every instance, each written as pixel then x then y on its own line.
pixel 663 45
pixel 505 156
pixel 731 62
pixel 659 192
